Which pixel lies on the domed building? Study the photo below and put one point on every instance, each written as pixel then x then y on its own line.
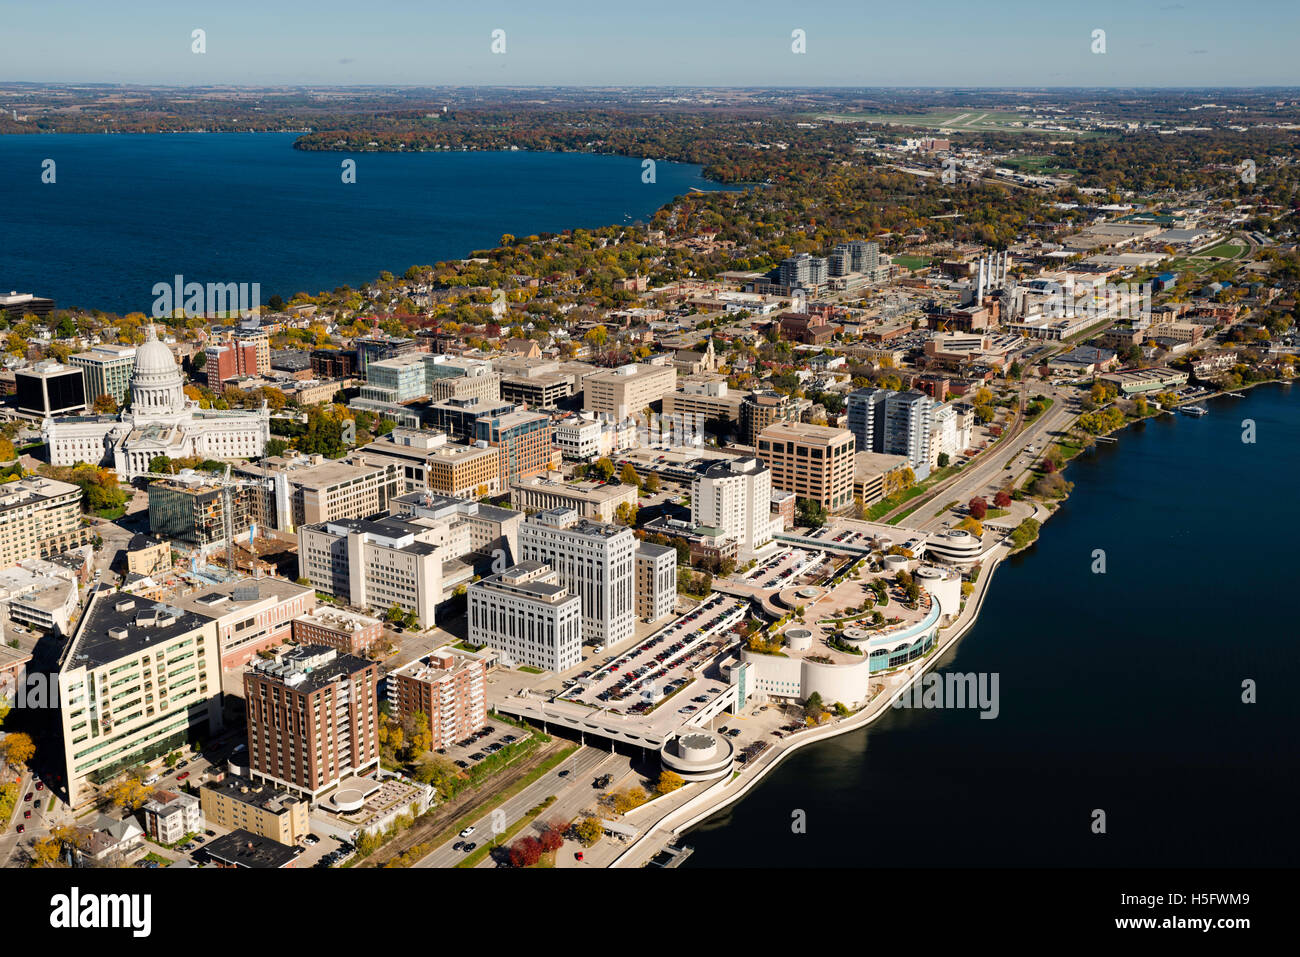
pixel 159 421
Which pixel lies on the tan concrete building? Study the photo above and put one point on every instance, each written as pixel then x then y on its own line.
pixel 706 397
pixel 308 489
pixel 255 806
pixel 877 476
pixel 594 500
pixel 40 517
pixel 812 461
pixel 628 389
pixel 373 565
pixel 148 556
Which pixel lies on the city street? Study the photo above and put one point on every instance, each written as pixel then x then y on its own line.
pixel 573 792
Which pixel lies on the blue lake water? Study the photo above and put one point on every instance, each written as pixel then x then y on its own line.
pixel 1119 691
pixel 128 211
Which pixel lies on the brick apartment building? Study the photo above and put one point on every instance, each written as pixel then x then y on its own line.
pixel 344 631
pixel 312 719
pixel 446 687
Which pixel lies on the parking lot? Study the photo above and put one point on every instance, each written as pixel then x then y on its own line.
pixel 665 661
pixel 782 568
pixel 476 747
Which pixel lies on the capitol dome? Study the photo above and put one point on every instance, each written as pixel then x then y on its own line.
pixel 154 358
pixel 157 386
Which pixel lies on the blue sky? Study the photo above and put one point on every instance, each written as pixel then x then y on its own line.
pixel 931 43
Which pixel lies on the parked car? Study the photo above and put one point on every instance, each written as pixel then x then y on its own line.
pixel 468 831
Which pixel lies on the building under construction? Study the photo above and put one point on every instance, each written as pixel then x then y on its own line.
pixel 192 509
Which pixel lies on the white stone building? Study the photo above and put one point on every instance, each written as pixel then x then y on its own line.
pixel 160 421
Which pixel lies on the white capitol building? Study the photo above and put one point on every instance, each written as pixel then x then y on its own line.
pixel 160 421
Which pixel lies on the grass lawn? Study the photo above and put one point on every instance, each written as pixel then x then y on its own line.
pixel 1228 250
pixel 913 262
pixel 530 670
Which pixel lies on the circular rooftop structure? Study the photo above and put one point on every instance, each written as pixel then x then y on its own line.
pixel 698 754
pixel 810 593
pixel 349 799
pixel 799 639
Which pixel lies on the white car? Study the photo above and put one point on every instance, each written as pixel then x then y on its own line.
pixel 468 831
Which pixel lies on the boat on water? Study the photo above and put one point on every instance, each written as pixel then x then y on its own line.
pixel 1194 410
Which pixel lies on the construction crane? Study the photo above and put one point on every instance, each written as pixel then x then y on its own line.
pixel 227 485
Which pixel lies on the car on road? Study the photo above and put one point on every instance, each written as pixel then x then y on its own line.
pixel 182 776
pixel 27 813
pixel 21 828
pixel 40 785
pixel 468 831
pixel 470 846
pixel 458 845
pixel 29 796
pixel 564 773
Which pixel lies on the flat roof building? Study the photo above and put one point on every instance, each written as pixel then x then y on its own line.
pixel 595 500
pixel 594 561
pixel 814 462
pixel 313 717
pixel 628 389
pixel 526 613
pixel 137 680
pixel 40 517
pixel 240 803
pixel 447 687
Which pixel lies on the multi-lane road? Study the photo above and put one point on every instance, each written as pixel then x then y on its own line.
pixel 573 793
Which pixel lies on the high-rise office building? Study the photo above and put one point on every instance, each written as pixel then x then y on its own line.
pixel 735 496
pixel 814 462
pixel 528 614
pixel 594 561
pixel 50 388
pixel 656 581
pixel 106 370
pixel 137 681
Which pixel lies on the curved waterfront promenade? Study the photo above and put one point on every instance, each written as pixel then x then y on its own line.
pixel 728 790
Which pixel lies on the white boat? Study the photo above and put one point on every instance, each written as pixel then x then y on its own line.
pixel 1194 410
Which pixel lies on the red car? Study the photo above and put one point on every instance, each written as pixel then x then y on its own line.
pixel 29 796
pixel 21 828
pixel 578 855
pixel 182 776
pixel 27 813
pixel 40 785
